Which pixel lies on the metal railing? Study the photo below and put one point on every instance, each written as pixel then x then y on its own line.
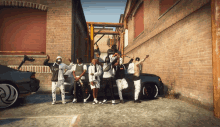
pixel 31 68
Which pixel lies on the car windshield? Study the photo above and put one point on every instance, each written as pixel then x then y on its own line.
pixel 5 69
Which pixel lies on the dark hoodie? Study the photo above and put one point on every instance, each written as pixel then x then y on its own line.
pixel 120 74
pixel 54 69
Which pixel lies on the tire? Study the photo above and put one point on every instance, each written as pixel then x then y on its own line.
pixel 8 95
pixel 150 91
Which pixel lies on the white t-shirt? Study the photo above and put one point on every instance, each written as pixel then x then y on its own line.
pixel 108 74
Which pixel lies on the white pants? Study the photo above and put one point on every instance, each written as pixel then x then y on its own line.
pixel 121 84
pixel 137 85
pixel 97 84
pixel 59 84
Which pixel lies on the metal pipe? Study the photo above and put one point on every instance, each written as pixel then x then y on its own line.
pixel 99 39
pixel 106 24
pixel 108 32
pixel 92 40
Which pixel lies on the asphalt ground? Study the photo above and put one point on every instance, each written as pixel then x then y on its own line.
pixel 36 110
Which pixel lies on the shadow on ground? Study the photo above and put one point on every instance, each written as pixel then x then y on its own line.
pixel 8 121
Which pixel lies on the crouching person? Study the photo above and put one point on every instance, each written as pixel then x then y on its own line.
pixel 57 69
pixel 78 72
pixel 94 72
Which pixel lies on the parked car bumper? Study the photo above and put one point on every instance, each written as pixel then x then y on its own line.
pixel 35 85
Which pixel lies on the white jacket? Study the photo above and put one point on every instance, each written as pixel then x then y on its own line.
pixel 92 70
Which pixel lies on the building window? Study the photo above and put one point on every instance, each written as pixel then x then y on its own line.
pixel 126 38
pixel 139 21
pixel 22 31
pixel 166 5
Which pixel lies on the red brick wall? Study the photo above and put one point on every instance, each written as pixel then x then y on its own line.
pixel 58 37
pixel 180 47
pixel 23 29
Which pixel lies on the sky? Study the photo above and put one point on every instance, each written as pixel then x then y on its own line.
pixel 103 10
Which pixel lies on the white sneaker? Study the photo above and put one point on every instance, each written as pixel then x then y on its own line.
pixel 95 102
pixel 53 103
pixel 64 102
pixel 104 101
pixel 74 100
pixel 113 102
pixel 85 101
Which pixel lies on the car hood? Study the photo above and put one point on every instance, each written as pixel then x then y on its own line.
pixel 7 73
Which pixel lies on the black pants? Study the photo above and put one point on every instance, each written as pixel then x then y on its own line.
pixel 108 83
pixel 77 89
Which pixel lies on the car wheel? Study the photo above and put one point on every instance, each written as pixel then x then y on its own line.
pixel 8 95
pixel 150 91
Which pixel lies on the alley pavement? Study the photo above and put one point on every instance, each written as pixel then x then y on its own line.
pixel 36 110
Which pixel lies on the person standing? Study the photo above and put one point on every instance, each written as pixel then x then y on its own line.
pixel 136 77
pixel 120 77
pixel 57 69
pixel 78 73
pixel 94 72
pixel 108 81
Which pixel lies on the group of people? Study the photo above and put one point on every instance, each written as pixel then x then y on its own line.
pixel 113 70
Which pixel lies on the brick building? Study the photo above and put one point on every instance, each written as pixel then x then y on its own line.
pixel 178 37
pixel 102 43
pixel 45 27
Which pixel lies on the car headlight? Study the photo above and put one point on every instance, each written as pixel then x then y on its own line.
pixel 159 79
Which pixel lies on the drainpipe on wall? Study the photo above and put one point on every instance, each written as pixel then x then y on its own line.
pixel 74 6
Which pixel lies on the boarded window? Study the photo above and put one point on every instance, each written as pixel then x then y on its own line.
pixel 22 29
pixel 166 4
pixel 126 38
pixel 139 20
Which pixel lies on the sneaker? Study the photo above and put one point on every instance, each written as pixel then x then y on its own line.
pixel 74 100
pixel 64 102
pixel 85 101
pixel 95 102
pixel 53 103
pixel 137 101
pixel 104 101
pixel 113 102
pixel 122 101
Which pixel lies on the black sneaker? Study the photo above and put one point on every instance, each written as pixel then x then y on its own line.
pixel 137 101
pixel 122 101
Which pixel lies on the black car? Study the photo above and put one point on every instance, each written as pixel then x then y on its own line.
pixel 15 84
pixel 151 85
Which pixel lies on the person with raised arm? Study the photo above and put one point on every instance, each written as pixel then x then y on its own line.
pixel 57 69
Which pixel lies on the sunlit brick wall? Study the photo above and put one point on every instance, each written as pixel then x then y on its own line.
pixel 180 47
